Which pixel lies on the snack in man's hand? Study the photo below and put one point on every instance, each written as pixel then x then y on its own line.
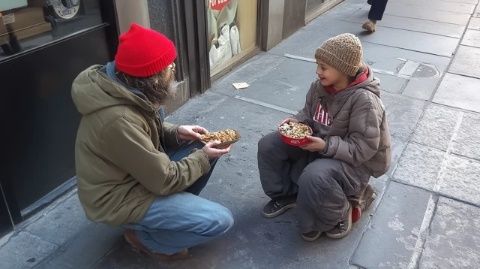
pixel 226 137
pixel 294 133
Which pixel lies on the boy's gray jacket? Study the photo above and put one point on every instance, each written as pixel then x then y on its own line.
pixel 358 129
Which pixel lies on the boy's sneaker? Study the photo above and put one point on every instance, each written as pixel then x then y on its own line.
pixel 342 228
pixel 362 203
pixel 311 236
pixel 278 206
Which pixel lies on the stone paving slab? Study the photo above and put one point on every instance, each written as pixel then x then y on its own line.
pixel 86 248
pixel 61 223
pixel 252 70
pixel 390 240
pixel 466 62
pixel 432 15
pixel 459 91
pixel 436 127
pixel 390 83
pixel 285 85
pixel 433 5
pixel 398 146
pixel 459 179
pixel 471 38
pixel 419 166
pixel 25 250
pixel 411 24
pixel 467 140
pixel 402 113
pixel 421 88
pixel 424 42
pixel 474 24
pixel 454 239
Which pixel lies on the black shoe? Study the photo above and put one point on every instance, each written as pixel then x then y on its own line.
pixel 342 228
pixel 311 236
pixel 369 2
pixel 278 206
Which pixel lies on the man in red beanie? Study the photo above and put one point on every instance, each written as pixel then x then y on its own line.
pixel 133 169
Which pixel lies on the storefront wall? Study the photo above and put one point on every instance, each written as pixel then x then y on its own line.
pixel 231 32
pixel 37 67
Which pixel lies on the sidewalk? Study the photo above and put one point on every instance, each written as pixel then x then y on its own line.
pixel 427 214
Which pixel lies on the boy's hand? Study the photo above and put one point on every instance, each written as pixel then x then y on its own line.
pixel 316 144
pixel 288 120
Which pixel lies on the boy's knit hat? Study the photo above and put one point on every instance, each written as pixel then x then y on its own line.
pixel 343 52
pixel 144 52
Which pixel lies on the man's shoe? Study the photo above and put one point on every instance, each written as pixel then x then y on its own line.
pixel 342 228
pixel 138 247
pixel 279 206
pixel 132 239
pixel 369 26
pixel 311 236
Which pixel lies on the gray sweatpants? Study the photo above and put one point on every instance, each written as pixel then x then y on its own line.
pixel 322 185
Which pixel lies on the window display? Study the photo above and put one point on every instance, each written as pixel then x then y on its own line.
pixel 26 24
pixel 231 31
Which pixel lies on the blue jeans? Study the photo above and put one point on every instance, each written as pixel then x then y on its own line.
pixel 182 220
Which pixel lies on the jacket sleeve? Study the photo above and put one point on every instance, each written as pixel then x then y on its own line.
pixel 171 135
pixel 129 146
pixel 363 138
pixel 305 115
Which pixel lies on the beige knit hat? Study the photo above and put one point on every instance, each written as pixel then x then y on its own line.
pixel 343 52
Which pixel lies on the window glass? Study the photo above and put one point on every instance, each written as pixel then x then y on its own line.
pixel 232 30
pixel 26 24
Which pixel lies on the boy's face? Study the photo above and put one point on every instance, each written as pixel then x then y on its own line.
pixel 328 75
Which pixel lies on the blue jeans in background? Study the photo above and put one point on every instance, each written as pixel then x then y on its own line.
pixel 377 9
pixel 182 220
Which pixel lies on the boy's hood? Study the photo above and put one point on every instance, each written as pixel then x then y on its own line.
pixel 92 91
pixel 367 81
pixel 364 80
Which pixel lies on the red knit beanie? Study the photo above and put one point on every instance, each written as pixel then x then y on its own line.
pixel 143 52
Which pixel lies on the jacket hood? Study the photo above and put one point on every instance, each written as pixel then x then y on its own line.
pixel 370 83
pixel 92 91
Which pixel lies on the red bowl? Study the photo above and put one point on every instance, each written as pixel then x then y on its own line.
pixel 294 141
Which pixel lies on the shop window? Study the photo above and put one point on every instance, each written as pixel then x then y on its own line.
pixel 27 24
pixel 232 31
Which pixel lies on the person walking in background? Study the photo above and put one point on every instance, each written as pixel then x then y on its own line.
pixel 377 8
pixel 133 169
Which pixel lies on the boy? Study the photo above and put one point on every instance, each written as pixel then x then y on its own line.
pixel 350 143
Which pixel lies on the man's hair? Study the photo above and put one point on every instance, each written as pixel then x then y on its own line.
pixel 157 88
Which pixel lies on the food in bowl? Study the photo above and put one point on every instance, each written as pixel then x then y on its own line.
pixel 294 133
pixel 226 137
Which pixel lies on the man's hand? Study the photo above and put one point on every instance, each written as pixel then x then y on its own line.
pixel 287 120
pixel 190 132
pixel 316 144
pixel 213 152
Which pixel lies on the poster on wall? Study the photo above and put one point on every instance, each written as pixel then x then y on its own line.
pixel 223 31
